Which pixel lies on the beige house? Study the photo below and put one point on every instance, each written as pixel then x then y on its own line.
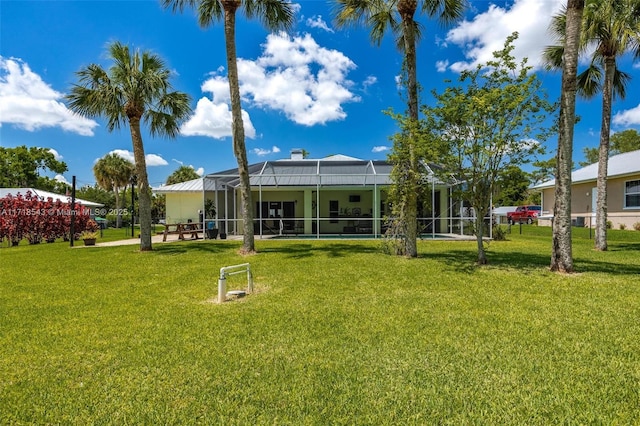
pixel 335 195
pixel 623 193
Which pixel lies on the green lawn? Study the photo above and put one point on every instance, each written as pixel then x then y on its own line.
pixel 336 333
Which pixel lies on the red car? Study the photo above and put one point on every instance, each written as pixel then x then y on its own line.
pixel 524 214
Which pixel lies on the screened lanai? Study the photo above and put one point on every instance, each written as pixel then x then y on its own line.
pixel 337 195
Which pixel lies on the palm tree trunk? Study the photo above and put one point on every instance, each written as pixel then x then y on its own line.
pixel 239 148
pixel 562 254
pixel 144 191
pixel 603 155
pixel 407 9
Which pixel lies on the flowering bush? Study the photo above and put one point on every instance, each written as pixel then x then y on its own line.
pixel 31 217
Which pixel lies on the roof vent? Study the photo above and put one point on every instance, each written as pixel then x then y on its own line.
pixel 297 154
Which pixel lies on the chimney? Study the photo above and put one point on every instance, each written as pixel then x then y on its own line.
pixel 297 154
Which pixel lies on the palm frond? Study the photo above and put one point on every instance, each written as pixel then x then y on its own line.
pixel 274 14
pixel 589 82
pixel 446 11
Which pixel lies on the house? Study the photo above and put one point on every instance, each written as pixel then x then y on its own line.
pixel 335 195
pixel 623 193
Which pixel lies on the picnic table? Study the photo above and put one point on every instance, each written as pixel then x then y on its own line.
pixel 182 229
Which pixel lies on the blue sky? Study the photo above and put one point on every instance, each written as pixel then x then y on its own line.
pixel 316 88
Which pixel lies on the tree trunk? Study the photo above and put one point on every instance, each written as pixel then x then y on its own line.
pixel 144 191
pixel 561 254
pixel 482 255
pixel 603 155
pixel 237 125
pixel 407 9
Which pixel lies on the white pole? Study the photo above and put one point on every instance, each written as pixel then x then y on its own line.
pixel 222 289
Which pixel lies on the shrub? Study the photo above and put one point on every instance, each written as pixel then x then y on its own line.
pixel 499 233
pixel 623 226
pixel 609 224
pixel 636 226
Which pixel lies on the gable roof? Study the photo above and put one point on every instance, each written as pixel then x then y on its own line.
pixel 620 165
pixel 46 194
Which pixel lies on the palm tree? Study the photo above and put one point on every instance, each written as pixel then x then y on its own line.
pixel 398 17
pixel 274 14
pixel 571 20
pixel 112 173
pixel 613 28
pixel 136 88
pixel 182 174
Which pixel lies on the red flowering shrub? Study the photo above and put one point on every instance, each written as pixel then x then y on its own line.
pixel 35 219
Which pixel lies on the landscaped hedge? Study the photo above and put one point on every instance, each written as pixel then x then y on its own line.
pixel 31 217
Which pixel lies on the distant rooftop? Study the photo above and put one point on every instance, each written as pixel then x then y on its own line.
pixel 619 165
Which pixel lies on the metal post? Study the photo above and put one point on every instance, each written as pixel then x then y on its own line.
pixel 249 280
pixel 222 288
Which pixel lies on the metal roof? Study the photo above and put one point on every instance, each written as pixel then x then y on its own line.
pixel 332 171
pixel 44 195
pixel 619 165
pixel 194 185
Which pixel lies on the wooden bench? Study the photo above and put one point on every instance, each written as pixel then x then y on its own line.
pixel 183 229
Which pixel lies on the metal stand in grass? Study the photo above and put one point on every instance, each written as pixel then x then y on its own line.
pixel 226 271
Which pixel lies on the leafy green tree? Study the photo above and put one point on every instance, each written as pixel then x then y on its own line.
pixel 97 194
pixel 20 167
pixel 490 121
pixel 621 142
pixel 136 88
pixel 113 173
pixel 591 156
pixel 399 18
pixel 613 27
pixel 274 15
pixel 512 186
pixel 182 174
pixel 568 24
pixel 625 141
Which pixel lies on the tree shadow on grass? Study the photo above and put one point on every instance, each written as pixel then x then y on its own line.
pixel 182 247
pixel 464 261
pixel 333 249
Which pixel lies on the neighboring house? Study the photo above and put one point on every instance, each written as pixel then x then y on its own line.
pixel 623 193
pixel 332 195
pixel 44 195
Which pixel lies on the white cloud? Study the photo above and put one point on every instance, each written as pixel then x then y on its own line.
pixel 61 179
pixel 441 66
pixel 294 75
pixel 487 32
pixel 318 22
pixel 199 171
pixel 150 159
pixel 55 153
pixel 212 118
pixel 29 103
pixel 380 148
pixel 262 152
pixel 628 117
pixel 369 81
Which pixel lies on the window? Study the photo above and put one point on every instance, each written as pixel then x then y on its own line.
pixel 632 194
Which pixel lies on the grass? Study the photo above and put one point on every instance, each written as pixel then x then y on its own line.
pixel 336 333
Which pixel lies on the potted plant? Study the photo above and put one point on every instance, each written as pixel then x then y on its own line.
pixel 89 237
pixel 90 233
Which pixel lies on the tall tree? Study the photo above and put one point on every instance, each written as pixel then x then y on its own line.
pixel 512 186
pixel 136 88
pixel 399 18
pixel 568 23
pixel 182 174
pixel 620 142
pixel 113 173
pixel 613 28
pixel 491 121
pixel 20 167
pixel 274 15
